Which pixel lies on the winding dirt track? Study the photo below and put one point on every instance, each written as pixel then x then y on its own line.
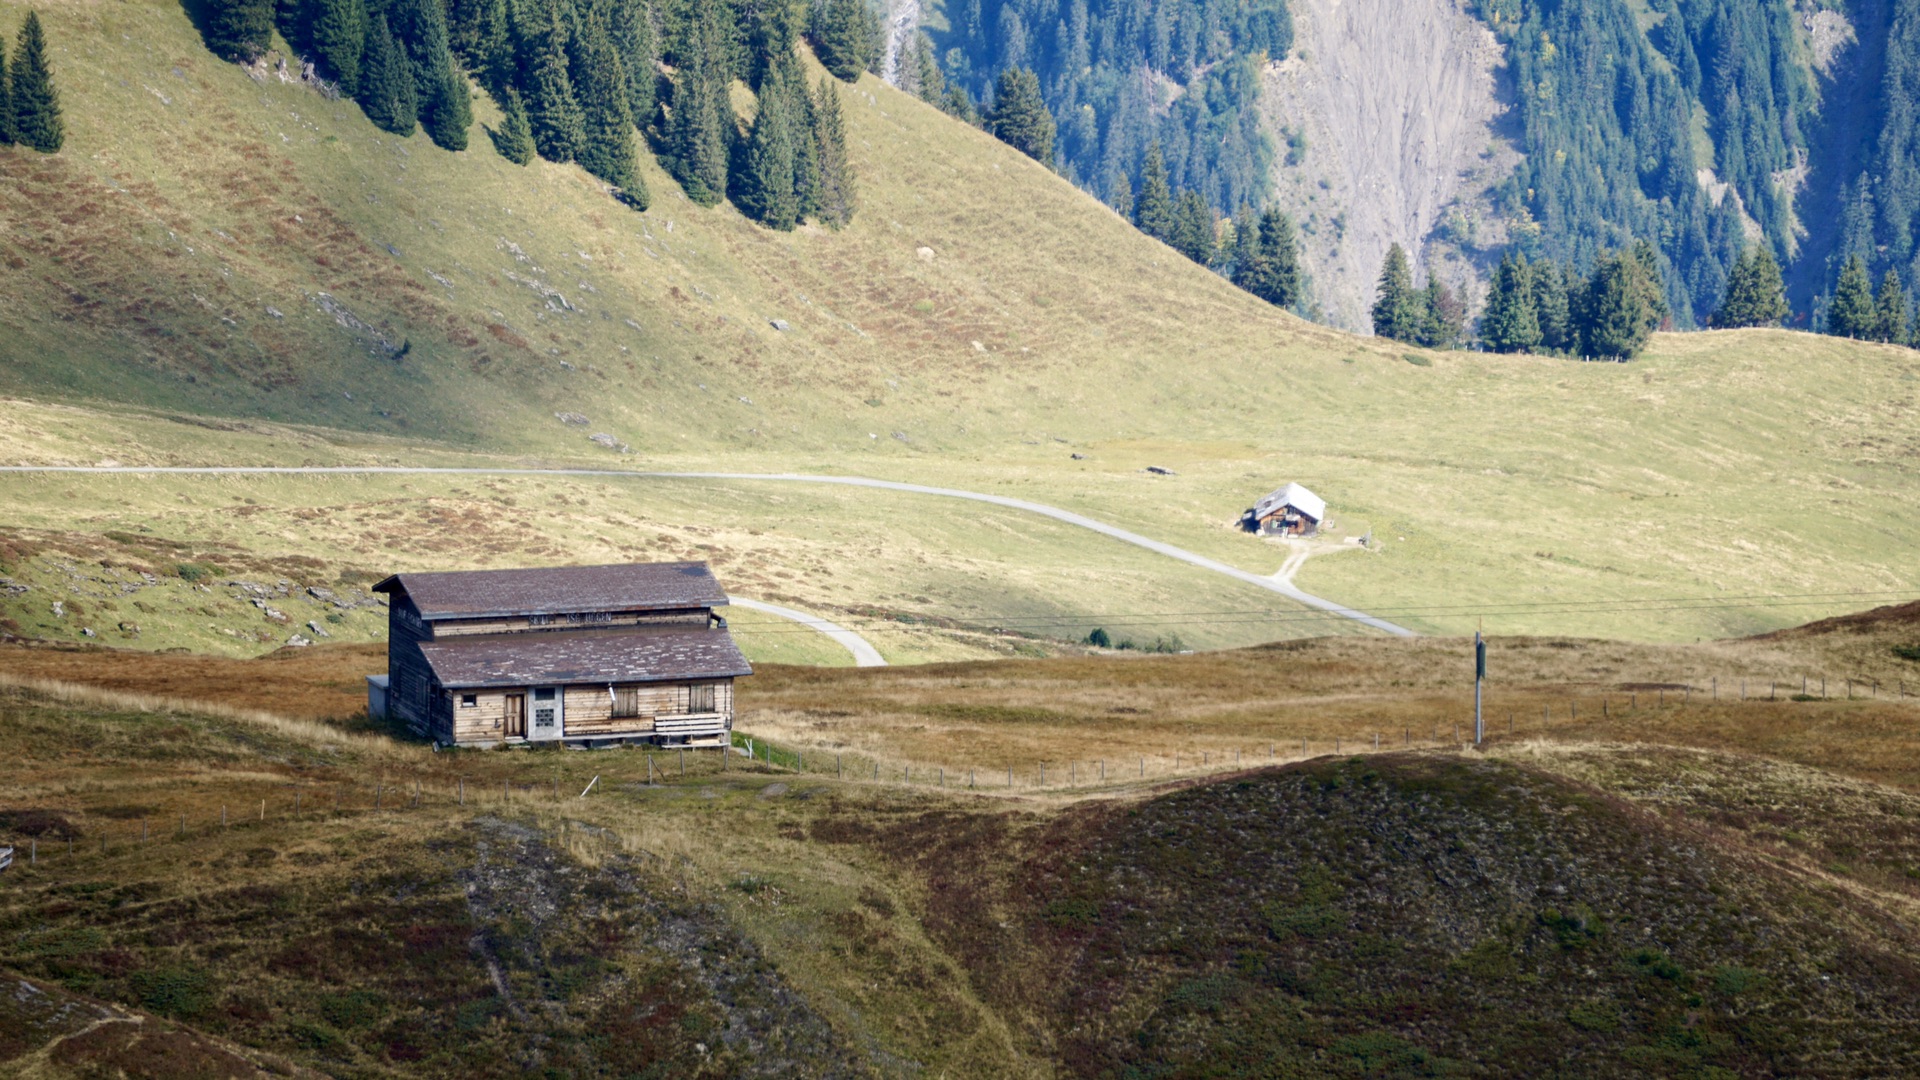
pixel 1285 589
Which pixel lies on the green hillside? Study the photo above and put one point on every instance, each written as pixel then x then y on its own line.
pixel 979 324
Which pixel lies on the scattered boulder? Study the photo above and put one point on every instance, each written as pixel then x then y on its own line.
pixel 779 324
pixel 298 642
pixel 1158 471
pixel 318 630
pixel 606 441
pixel 573 419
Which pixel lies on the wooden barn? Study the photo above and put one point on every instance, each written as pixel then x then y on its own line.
pixel 1290 511
pixel 586 655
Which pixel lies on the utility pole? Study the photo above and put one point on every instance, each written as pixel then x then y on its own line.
pixel 1479 676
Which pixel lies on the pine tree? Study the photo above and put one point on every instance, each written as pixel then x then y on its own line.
pixel 1552 288
pixel 806 144
pixel 1647 279
pixel 771 29
pixel 514 139
pixel 34 103
pixel 1511 321
pixel 764 182
pixel 1890 311
pixel 1120 195
pixel 1852 313
pixel 1443 316
pixel 445 107
pixel 386 82
pixel 633 37
pixel 239 30
pixel 923 74
pixel 1397 310
pixel 1020 117
pixel 480 35
pixel 6 100
pixel 1754 295
pixel 607 147
pixel 1268 265
pixel 1153 207
pixel 1617 314
pixel 843 34
pixel 553 111
pixel 837 195
pixel 1193 228
pixel 339 35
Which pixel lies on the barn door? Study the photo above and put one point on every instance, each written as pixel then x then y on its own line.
pixel 516 716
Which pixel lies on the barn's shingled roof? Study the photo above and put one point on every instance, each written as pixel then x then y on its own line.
pixel 557 590
pixel 629 656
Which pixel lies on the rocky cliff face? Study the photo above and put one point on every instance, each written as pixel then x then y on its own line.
pixel 1386 118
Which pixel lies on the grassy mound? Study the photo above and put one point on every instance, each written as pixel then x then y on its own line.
pixel 1410 916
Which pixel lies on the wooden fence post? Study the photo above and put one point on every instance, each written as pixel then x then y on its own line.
pixel 223 815
pixel 649 770
pixel 463 791
pixel 683 761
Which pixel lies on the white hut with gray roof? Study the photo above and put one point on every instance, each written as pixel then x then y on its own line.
pixel 1289 511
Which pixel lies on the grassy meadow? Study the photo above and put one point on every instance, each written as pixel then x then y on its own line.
pixel 226 268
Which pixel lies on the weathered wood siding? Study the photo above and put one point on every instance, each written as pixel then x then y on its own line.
pixel 588 709
pixel 410 680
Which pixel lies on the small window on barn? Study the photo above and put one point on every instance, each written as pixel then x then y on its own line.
pixel 626 702
pixel 700 698
pixel 543 694
pixel 468 701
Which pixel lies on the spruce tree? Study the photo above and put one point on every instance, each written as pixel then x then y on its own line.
pixel 837 195
pixel 843 35
pixel 386 82
pixel 1443 316
pixel 1020 117
pixel 446 110
pixel 806 148
pixel 1647 279
pixel 33 102
pixel 632 35
pixel 1511 321
pixel 1890 311
pixel 6 100
pixel 696 147
pixel 1269 266
pixel 514 139
pixel 339 36
pixel 1616 315
pixel 1193 228
pixel 1852 313
pixel 607 147
pixel 479 33
pixel 1551 284
pixel 1397 310
pixel 239 30
pixel 1754 295
pixel 763 185
pixel 1120 194
pixel 1153 206
pixel 553 111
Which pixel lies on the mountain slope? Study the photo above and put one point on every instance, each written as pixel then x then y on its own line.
pixel 213 243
